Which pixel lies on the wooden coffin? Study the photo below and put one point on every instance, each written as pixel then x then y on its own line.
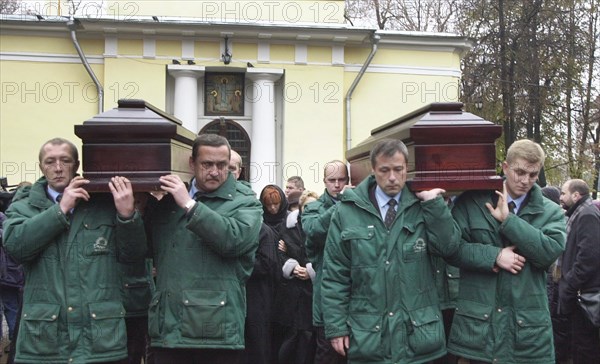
pixel 448 148
pixel 135 140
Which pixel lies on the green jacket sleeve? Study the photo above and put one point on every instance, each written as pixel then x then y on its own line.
pixel 27 232
pixel 315 223
pixel 335 290
pixel 230 235
pixel 131 239
pixel 442 231
pixel 471 254
pixel 540 246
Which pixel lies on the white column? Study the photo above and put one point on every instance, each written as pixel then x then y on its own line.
pixel 263 158
pixel 185 105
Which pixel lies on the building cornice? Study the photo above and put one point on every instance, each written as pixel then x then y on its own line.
pixel 190 28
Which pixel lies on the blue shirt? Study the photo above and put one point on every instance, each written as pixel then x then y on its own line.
pixel 383 199
pixel 518 202
pixel 53 194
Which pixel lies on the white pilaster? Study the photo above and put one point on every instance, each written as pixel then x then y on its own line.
pixel 185 105
pixel 263 157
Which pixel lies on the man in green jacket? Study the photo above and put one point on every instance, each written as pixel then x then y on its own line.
pixel 509 239
pixel 71 243
pixel 380 302
pixel 315 223
pixel 204 241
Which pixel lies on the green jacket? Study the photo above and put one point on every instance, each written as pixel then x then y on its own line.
pixel 137 285
pixel 72 305
pixel 378 285
pixel 315 223
pixel 502 316
pixel 203 260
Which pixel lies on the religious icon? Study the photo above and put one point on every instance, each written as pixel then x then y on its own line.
pixel 224 94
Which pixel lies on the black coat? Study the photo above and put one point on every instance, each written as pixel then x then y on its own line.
pixel 11 272
pixel 260 295
pixel 579 263
pixel 293 302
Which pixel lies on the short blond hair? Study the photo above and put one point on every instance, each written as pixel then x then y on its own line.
pixel 526 149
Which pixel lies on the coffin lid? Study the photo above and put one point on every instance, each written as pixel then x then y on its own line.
pixel 447 119
pixel 134 119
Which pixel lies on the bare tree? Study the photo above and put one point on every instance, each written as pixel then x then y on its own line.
pixel 9 6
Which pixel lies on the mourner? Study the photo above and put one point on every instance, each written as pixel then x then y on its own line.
pixel 580 268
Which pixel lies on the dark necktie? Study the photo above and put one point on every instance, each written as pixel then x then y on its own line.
pixel 390 215
pixel 58 198
pixel 198 195
pixel 512 206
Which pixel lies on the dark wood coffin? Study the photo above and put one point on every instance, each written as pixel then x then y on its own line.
pixel 448 148
pixel 135 140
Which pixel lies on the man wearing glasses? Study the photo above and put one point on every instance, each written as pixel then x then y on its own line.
pixel 204 239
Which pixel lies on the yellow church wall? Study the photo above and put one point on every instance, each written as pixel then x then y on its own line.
pixel 40 101
pixel 130 78
pixel 381 98
pixel 52 45
pixel 170 48
pixel 131 47
pixel 314 121
pixel 245 51
pixel 404 57
pixel 319 54
pixel 207 49
pixel 282 53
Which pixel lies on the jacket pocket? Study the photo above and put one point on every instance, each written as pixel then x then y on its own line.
pixel 365 338
pixel 364 247
pixel 471 325
pixel 425 334
pixel 137 296
pixel 97 235
pixel 108 332
pixel 203 314
pixel 154 318
pixel 534 333
pixel 39 329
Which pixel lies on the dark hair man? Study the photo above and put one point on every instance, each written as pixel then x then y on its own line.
pixel 580 268
pixel 204 239
pixel 380 302
pixel 70 244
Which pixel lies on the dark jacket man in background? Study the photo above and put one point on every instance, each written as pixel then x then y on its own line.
pixel 580 268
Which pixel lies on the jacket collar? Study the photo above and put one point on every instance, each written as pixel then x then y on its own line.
pixel 226 191
pixel 37 194
pixel 360 196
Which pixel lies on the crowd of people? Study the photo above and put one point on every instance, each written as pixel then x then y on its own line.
pixel 208 272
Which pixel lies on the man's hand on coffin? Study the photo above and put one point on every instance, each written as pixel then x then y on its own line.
pixel 122 192
pixel 174 185
pixel 72 193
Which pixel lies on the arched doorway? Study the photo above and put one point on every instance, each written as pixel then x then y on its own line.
pixel 237 137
